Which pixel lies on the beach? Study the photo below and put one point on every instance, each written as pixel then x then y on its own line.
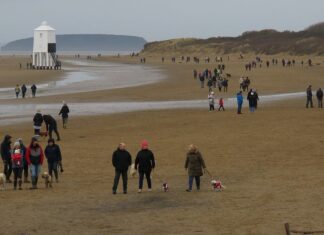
pixel 270 161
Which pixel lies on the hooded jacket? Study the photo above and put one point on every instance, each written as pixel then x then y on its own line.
pixel 145 160
pixel 5 148
pixel 35 155
pixel 239 98
pixel 49 121
pixel 38 119
pixel 121 160
pixel 53 153
pixel 195 164
pixel 64 111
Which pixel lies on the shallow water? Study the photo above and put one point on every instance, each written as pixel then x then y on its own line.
pixel 93 76
pixel 22 113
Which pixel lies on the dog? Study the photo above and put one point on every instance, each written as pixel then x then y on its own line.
pixel 48 180
pixel 217 185
pixel 165 187
pixel 133 171
pixel 228 75
pixel 2 181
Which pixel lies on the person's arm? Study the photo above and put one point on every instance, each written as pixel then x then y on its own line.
pixel 41 156
pixel 152 160
pixel 202 161
pixel 187 163
pixel 114 158
pixel 136 161
pixel 129 159
pixel 59 154
pixel 46 152
pixel 28 156
pixel 60 111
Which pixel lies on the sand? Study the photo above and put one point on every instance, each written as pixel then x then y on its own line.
pixel 271 162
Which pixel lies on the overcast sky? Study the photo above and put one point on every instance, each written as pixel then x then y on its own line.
pixel 156 19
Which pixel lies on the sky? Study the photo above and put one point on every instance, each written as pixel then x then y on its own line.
pixel 157 19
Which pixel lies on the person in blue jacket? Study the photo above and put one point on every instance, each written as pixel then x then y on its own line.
pixel 239 98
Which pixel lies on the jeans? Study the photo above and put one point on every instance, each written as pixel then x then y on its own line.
pixel 116 180
pixel 191 179
pixel 17 176
pixel 252 109
pixel 7 169
pixel 35 170
pixel 148 178
pixel 52 166
pixel 239 108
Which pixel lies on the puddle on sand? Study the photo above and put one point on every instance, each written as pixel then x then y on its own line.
pixel 94 76
pixel 11 114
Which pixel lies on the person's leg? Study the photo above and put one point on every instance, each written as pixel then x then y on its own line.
pixel 50 168
pixel 148 179
pixel 57 133
pixel 116 181
pixel 55 172
pixel 20 170
pixel 26 173
pixel 197 179
pixel 308 102
pixel 311 102
pixel 15 171
pixel 141 178
pixel 9 170
pixel 124 175
pixel 37 171
pixel 190 183
pixel 50 132
pixel 33 175
pixel 321 103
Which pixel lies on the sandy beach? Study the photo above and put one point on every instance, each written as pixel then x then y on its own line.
pixel 264 158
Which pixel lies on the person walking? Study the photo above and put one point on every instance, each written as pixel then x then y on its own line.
pixel 121 160
pixel 252 97
pixel 33 89
pixel 221 104
pixel 54 158
pixel 6 157
pixel 17 91
pixel 17 165
pixel 239 98
pixel 35 158
pixel 309 94
pixel 23 91
pixel 211 101
pixel 145 163
pixel 319 95
pixel 25 163
pixel 38 121
pixel 65 114
pixel 51 126
pixel 202 80
pixel 194 165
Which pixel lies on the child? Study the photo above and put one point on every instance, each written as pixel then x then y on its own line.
pixel 17 165
pixel 54 158
pixel 211 100
pixel 221 104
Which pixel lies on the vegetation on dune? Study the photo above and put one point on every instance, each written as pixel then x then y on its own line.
pixel 306 42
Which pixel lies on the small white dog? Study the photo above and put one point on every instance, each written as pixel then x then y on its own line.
pixel 48 179
pixel 217 185
pixel 2 181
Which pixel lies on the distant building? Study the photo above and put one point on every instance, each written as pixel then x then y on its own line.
pixel 44 49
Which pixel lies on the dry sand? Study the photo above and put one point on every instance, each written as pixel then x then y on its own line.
pixel 271 162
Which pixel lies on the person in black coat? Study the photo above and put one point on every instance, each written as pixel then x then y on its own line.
pixel 51 126
pixel 319 95
pixel 33 89
pixel 144 162
pixel 23 90
pixel 121 160
pixel 25 163
pixel 65 114
pixel 38 121
pixel 54 158
pixel 6 157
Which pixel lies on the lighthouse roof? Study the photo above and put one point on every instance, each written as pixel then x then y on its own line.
pixel 44 27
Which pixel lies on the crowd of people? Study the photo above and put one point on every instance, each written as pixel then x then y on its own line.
pixel 309 95
pixel 213 79
pixel 23 91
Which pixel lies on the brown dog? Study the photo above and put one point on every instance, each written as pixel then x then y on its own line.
pixel 48 180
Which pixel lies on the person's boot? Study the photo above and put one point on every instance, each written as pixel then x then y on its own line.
pixel 15 184
pixel 20 184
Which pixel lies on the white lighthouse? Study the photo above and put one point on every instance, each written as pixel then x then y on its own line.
pixel 44 49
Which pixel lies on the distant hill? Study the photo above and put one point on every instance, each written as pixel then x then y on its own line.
pixel 83 42
pixel 308 41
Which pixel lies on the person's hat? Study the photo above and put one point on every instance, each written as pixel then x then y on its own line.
pixel 17 144
pixel 144 144
pixel 212 93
